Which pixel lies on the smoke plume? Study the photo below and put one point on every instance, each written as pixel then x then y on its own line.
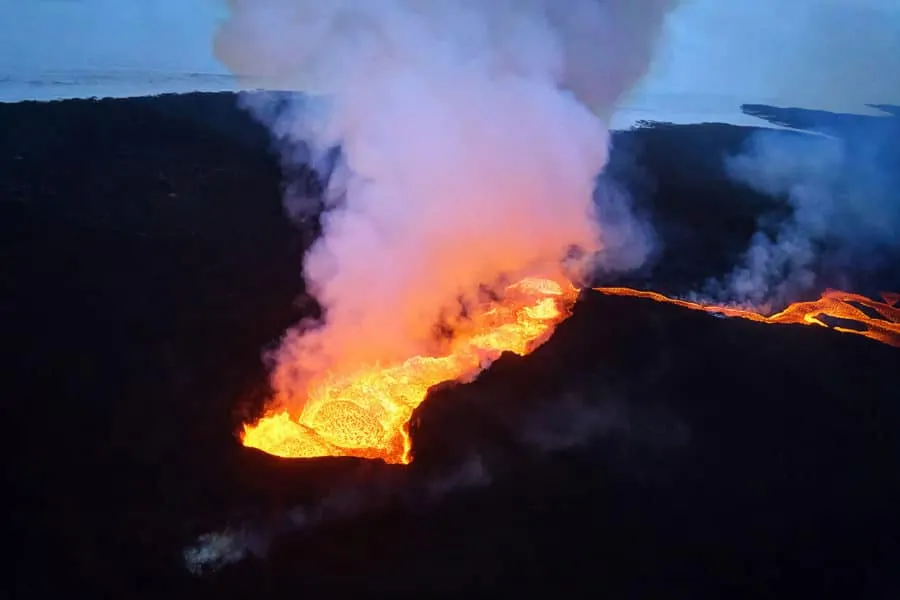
pixel 459 141
pixel 844 213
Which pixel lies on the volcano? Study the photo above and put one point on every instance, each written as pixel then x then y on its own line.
pixel 644 449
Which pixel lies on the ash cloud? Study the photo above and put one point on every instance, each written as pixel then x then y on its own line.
pixel 459 140
pixel 840 187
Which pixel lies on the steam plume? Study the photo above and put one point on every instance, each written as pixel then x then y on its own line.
pixel 844 219
pixel 460 140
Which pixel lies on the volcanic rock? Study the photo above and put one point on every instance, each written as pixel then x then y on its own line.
pixel 643 450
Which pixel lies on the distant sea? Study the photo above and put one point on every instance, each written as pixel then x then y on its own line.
pixel 642 106
pixel 122 83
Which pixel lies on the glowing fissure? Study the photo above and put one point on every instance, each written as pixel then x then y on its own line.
pixel 366 414
pixel 833 304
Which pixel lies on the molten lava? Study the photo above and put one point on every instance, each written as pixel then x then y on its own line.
pixel 881 322
pixel 366 414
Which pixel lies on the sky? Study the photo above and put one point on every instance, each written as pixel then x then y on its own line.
pixel 716 54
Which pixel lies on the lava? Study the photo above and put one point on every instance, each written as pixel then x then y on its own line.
pixel 366 414
pixel 876 320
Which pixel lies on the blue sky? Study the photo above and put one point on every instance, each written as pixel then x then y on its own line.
pixel 100 34
pixel 830 54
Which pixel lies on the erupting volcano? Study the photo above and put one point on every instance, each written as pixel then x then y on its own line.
pixel 459 143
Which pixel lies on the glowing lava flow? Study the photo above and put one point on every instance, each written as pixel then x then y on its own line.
pixel 881 323
pixel 367 413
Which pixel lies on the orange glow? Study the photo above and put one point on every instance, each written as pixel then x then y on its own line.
pixel 881 324
pixel 367 413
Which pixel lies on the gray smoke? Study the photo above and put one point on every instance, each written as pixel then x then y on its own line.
pixel 841 191
pixel 460 141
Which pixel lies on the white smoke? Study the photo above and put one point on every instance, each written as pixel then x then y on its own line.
pixel 844 213
pixel 461 141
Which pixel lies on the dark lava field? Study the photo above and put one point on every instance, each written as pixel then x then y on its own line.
pixel 645 451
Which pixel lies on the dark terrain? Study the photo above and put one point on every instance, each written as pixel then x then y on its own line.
pixel 147 262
